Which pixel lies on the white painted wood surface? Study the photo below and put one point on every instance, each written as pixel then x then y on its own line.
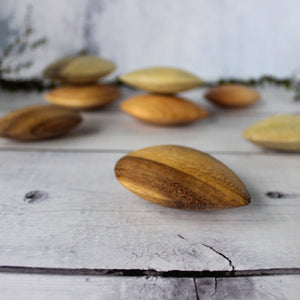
pixel 90 221
pixel 111 129
pixel 31 286
pixel 49 287
pixel 249 288
pixel 86 219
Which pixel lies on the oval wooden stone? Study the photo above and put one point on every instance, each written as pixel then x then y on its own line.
pixel 79 69
pixel 162 80
pixel 162 110
pixel 232 95
pixel 38 122
pixel 181 177
pixel 278 132
pixel 83 97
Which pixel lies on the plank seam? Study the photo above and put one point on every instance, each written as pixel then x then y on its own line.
pixel 213 152
pixel 150 272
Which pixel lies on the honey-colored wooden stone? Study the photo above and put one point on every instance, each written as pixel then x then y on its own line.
pixel 83 97
pixel 232 96
pixel 181 177
pixel 162 80
pixel 162 109
pixel 38 122
pixel 278 132
pixel 79 69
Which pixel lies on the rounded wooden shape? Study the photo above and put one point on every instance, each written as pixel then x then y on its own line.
pixel 181 177
pixel 83 97
pixel 278 132
pixel 162 110
pixel 232 95
pixel 79 69
pixel 162 80
pixel 38 122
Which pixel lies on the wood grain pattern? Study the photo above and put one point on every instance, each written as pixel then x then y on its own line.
pixel 38 122
pixel 232 95
pixel 163 110
pixel 279 132
pixel 181 177
pixel 89 220
pixel 83 97
pixel 79 69
pixel 162 80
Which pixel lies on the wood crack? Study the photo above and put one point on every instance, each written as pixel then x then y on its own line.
pixel 221 254
pixel 196 290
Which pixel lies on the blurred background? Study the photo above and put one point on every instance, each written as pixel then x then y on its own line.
pixel 214 39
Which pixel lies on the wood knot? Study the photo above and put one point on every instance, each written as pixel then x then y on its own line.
pixel 275 195
pixel 34 196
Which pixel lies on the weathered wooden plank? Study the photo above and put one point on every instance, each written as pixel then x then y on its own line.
pixel 29 286
pixel 111 129
pixel 249 288
pixel 86 219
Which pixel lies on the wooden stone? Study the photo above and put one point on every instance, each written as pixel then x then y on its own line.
pixel 181 177
pixel 232 95
pixel 162 80
pixel 79 69
pixel 279 132
pixel 38 122
pixel 83 97
pixel 163 110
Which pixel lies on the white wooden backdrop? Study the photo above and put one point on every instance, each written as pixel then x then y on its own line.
pixel 82 225
pixel 216 38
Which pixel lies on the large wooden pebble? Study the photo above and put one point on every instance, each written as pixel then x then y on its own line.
pixel 83 97
pixel 232 96
pixel 162 109
pixel 181 177
pixel 278 132
pixel 38 122
pixel 162 80
pixel 79 69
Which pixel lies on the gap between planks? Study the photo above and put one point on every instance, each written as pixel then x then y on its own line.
pixel 124 151
pixel 150 272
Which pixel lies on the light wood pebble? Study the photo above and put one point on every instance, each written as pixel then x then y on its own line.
pixel 38 122
pixel 79 69
pixel 83 97
pixel 162 109
pixel 232 96
pixel 278 132
pixel 162 80
pixel 181 177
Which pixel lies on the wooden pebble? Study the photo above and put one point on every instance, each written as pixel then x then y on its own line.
pixel 278 132
pixel 162 109
pixel 83 97
pixel 79 69
pixel 181 177
pixel 38 122
pixel 232 96
pixel 162 80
